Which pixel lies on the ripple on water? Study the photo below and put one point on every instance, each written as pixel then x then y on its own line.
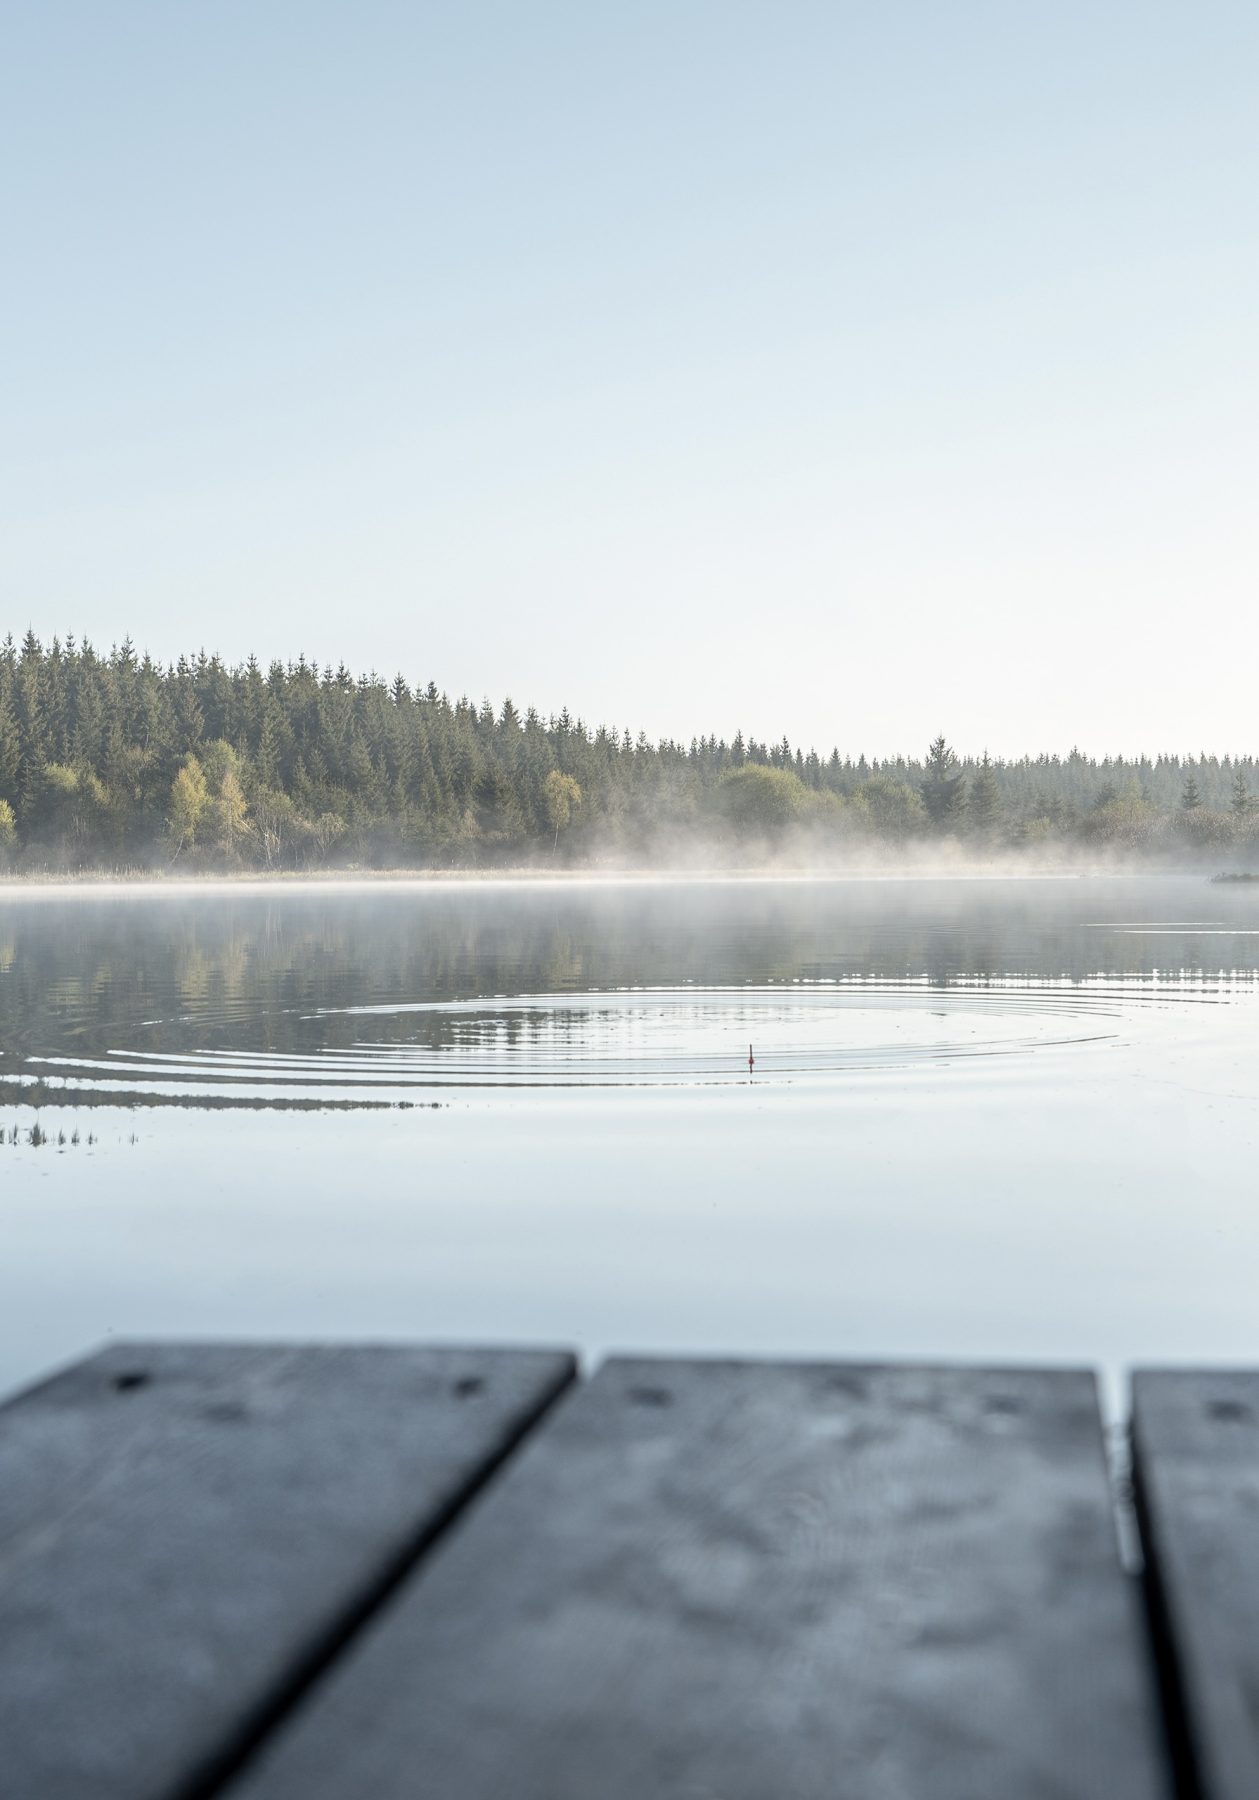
pixel 394 1053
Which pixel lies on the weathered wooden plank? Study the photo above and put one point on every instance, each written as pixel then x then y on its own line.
pixel 186 1532
pixel 761 1582
pixel 1196 1474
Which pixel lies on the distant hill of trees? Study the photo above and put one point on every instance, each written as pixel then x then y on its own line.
pixel 113 761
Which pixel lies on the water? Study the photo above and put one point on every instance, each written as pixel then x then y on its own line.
pixel 1013 1120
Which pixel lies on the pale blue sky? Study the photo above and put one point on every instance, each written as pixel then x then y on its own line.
pixel 855 371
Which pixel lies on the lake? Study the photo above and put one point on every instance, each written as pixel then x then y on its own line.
pixel 1010 1120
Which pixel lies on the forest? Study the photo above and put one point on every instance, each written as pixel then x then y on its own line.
pixel 113 762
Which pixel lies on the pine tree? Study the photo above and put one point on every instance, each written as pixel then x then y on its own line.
pixel 268 758
pixel 983 809
pixel 10 752
pixel 943 786
pixel 1190 797
pixel 1242 804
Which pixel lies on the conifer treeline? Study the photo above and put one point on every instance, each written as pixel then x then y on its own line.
pixel 117 761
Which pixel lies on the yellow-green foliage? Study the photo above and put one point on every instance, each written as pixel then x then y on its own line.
pixel 561 796
pixel 189 800
pixel 760 799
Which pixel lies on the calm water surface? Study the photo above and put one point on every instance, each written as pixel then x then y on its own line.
pixel 1003 1119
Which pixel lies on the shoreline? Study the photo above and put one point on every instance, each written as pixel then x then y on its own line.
pixel 152 882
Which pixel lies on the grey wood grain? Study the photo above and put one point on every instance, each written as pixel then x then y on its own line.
pixel 759 1582
pixel 1196 1472
pixel 186 1530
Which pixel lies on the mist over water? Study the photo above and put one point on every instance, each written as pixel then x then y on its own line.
pixel 1002 1118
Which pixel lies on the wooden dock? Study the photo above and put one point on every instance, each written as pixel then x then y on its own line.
pixel 380 1573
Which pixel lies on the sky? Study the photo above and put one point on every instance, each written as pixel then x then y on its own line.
pixel 858 372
